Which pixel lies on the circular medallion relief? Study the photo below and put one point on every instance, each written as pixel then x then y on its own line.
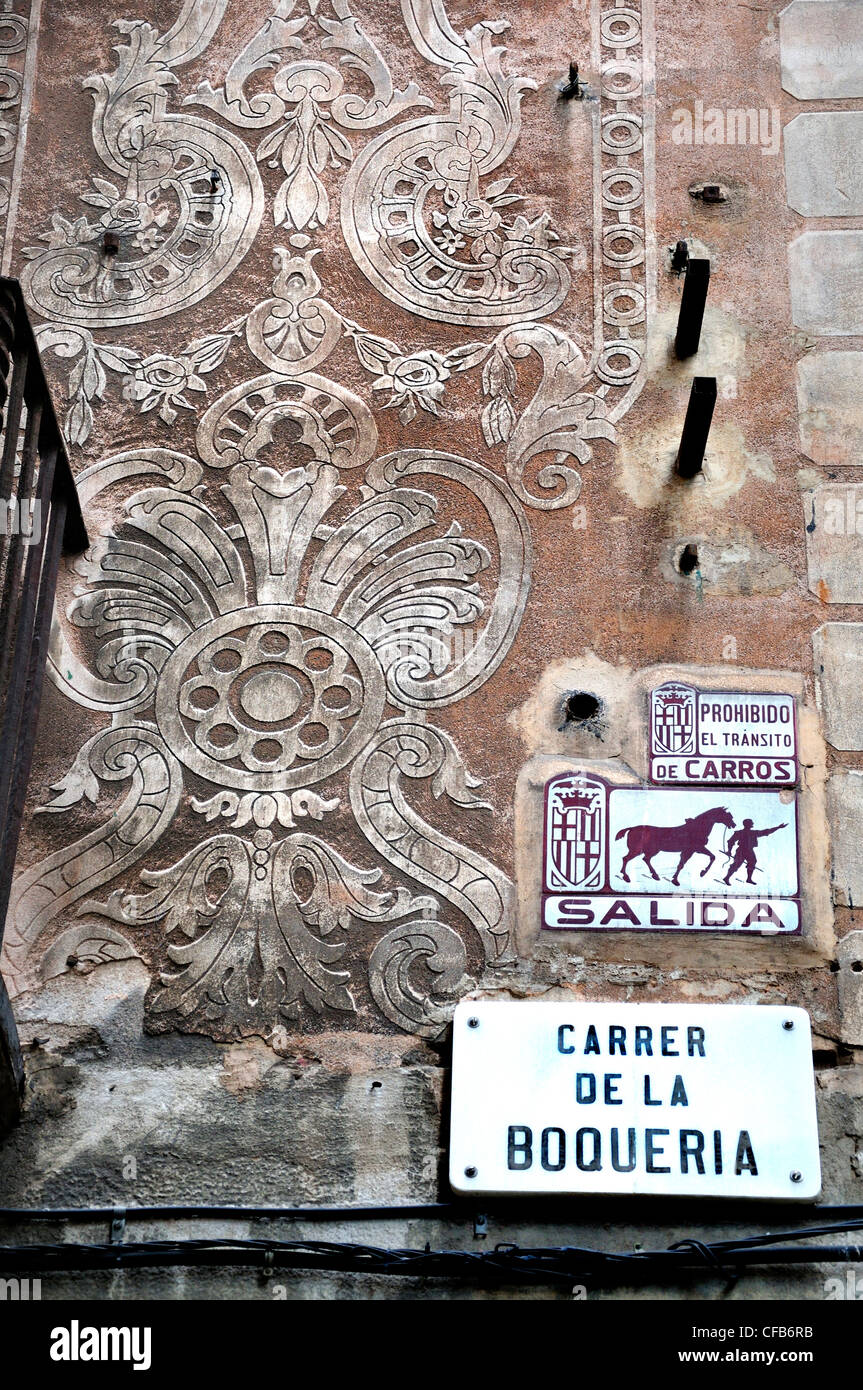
pixel 270 698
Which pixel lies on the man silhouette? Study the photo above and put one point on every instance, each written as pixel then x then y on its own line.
pixel 742 847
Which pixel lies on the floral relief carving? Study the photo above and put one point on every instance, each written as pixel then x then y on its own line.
pixel 158 382
pixel 267 701
pixel 270 630
pixel 248 644
pixel 161 382
pixel 179 231
pixel 309 106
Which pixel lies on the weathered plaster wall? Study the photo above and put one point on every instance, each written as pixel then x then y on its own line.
pixel 393 360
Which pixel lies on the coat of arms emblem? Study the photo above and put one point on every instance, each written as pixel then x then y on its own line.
pixel 673 718
pixel 576 833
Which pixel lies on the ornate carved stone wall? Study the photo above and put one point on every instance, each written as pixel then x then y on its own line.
pixel 272 629
pixel 363 338
pixel 19 33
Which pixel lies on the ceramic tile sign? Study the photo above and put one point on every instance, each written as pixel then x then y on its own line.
pixel 722 737
pixel 670 859
pixel 698 1100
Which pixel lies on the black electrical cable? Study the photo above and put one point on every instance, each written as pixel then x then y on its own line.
pixel 506 1263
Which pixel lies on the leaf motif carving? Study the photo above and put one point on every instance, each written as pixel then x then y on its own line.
pixel 144 145
pixel 257 946
pixel 475 887
pixel 396 966
pixel 135 754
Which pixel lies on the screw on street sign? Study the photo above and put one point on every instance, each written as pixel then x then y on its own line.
pixel 656 858
pixel 722 737
pixel 700 1100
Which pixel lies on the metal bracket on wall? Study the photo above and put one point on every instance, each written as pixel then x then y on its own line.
pixel 118 1226
pixel 696 426
pixel 692 302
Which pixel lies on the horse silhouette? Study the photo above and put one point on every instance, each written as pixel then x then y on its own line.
pixel 687 839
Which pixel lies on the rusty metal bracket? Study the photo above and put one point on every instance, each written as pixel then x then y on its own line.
pixel 118 1226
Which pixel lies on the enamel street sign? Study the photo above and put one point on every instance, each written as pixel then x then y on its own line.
pixel 700 1100
pixel 722 737
pixel 657 858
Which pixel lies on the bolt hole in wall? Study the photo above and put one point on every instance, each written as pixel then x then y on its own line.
pixel 688 561
pixel 581 707
pixel 826 1058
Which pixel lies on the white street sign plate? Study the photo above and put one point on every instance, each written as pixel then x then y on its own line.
pixel 722 737
pixel 668 859
pixel 698 1100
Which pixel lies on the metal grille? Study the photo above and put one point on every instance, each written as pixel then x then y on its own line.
pixel 39 518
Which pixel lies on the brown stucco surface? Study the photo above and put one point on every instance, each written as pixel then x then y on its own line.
pixel 273 1080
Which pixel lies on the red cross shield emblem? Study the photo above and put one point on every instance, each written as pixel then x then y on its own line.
pixel 575 832
pixel 673 712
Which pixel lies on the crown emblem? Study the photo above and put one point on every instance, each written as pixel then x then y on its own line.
pixel 571 800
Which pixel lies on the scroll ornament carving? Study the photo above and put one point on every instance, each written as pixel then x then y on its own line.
pixel 298 328
pixel 310 105
pixel 15 35
pixel 416 197
pixel 270 658
pixel 250 642
pixel 420 215
pixel 183 201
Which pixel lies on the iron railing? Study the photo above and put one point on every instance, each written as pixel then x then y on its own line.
pixel 40 517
